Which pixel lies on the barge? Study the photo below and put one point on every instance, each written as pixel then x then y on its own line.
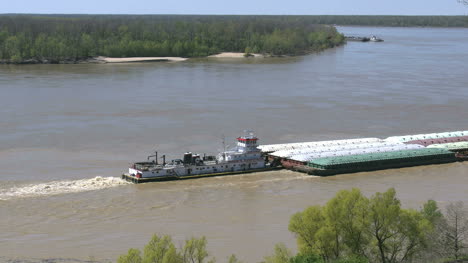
pixel 380 161
pixel 320 158
pixel 370 154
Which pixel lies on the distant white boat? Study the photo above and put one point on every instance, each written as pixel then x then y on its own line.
pixel 375 39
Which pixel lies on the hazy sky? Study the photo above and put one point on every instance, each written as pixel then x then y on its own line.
pixel 266 7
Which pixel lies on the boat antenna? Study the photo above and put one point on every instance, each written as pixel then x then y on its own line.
pixel 224 147
pixel 248 133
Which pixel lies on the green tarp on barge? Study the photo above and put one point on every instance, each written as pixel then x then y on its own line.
pixel 379 161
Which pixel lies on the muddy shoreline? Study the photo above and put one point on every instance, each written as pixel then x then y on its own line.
pixel 104 60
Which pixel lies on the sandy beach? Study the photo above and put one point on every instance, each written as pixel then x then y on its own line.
pixel 102 59
pixel 139 59
pixel 234 55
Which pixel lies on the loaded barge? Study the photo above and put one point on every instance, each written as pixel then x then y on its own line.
pixel 370 154
pixel 320 158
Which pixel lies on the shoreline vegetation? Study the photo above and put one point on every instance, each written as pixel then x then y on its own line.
pixel 72 39
pixel 349 228
pixel 67 39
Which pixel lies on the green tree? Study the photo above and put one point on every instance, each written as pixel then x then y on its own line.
pixel 306 258
pixel 347 213
pixel 11 49
pixel 172 256
pixel 281 254
pixel 160 250
pixel 88 46
pixel 398 234
pixel 338 229
pixel 353 227
pixel 384 214
pixel 305 225
pixel 133 256
pixel 431 212
pixel 351 260
pixel 233 259
pixel 195 250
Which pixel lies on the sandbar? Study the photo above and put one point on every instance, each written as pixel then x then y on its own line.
pixel 235 55
pixel 139 59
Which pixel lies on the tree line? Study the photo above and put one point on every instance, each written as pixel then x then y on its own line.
pixel 56 38
pixel 392 21
pixel 71 38
pixel 354 228
pixel 349 228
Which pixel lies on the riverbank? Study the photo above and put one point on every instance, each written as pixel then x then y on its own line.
pixel 236 55
pixel 136 59
pixel 172 59
pixel 95 60
pixel 104 60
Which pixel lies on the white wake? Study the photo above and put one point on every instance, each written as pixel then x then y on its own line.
pixel 61 187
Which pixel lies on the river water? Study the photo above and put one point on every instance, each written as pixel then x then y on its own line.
pixel 67 132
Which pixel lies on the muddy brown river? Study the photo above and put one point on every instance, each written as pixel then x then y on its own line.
pixel 68 131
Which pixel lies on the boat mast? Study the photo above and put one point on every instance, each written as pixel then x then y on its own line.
pixel 155 156
pixel 224 148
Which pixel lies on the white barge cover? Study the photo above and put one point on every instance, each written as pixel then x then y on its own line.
pixel 289 153
pixel 312 156
pixel 407 138
pixel 299 145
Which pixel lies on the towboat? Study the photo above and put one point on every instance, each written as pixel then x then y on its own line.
pixel 246 157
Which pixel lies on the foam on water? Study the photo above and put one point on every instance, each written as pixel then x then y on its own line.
pixel 61 187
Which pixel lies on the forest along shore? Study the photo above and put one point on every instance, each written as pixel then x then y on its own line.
pixel 70 39
pixel 64 39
